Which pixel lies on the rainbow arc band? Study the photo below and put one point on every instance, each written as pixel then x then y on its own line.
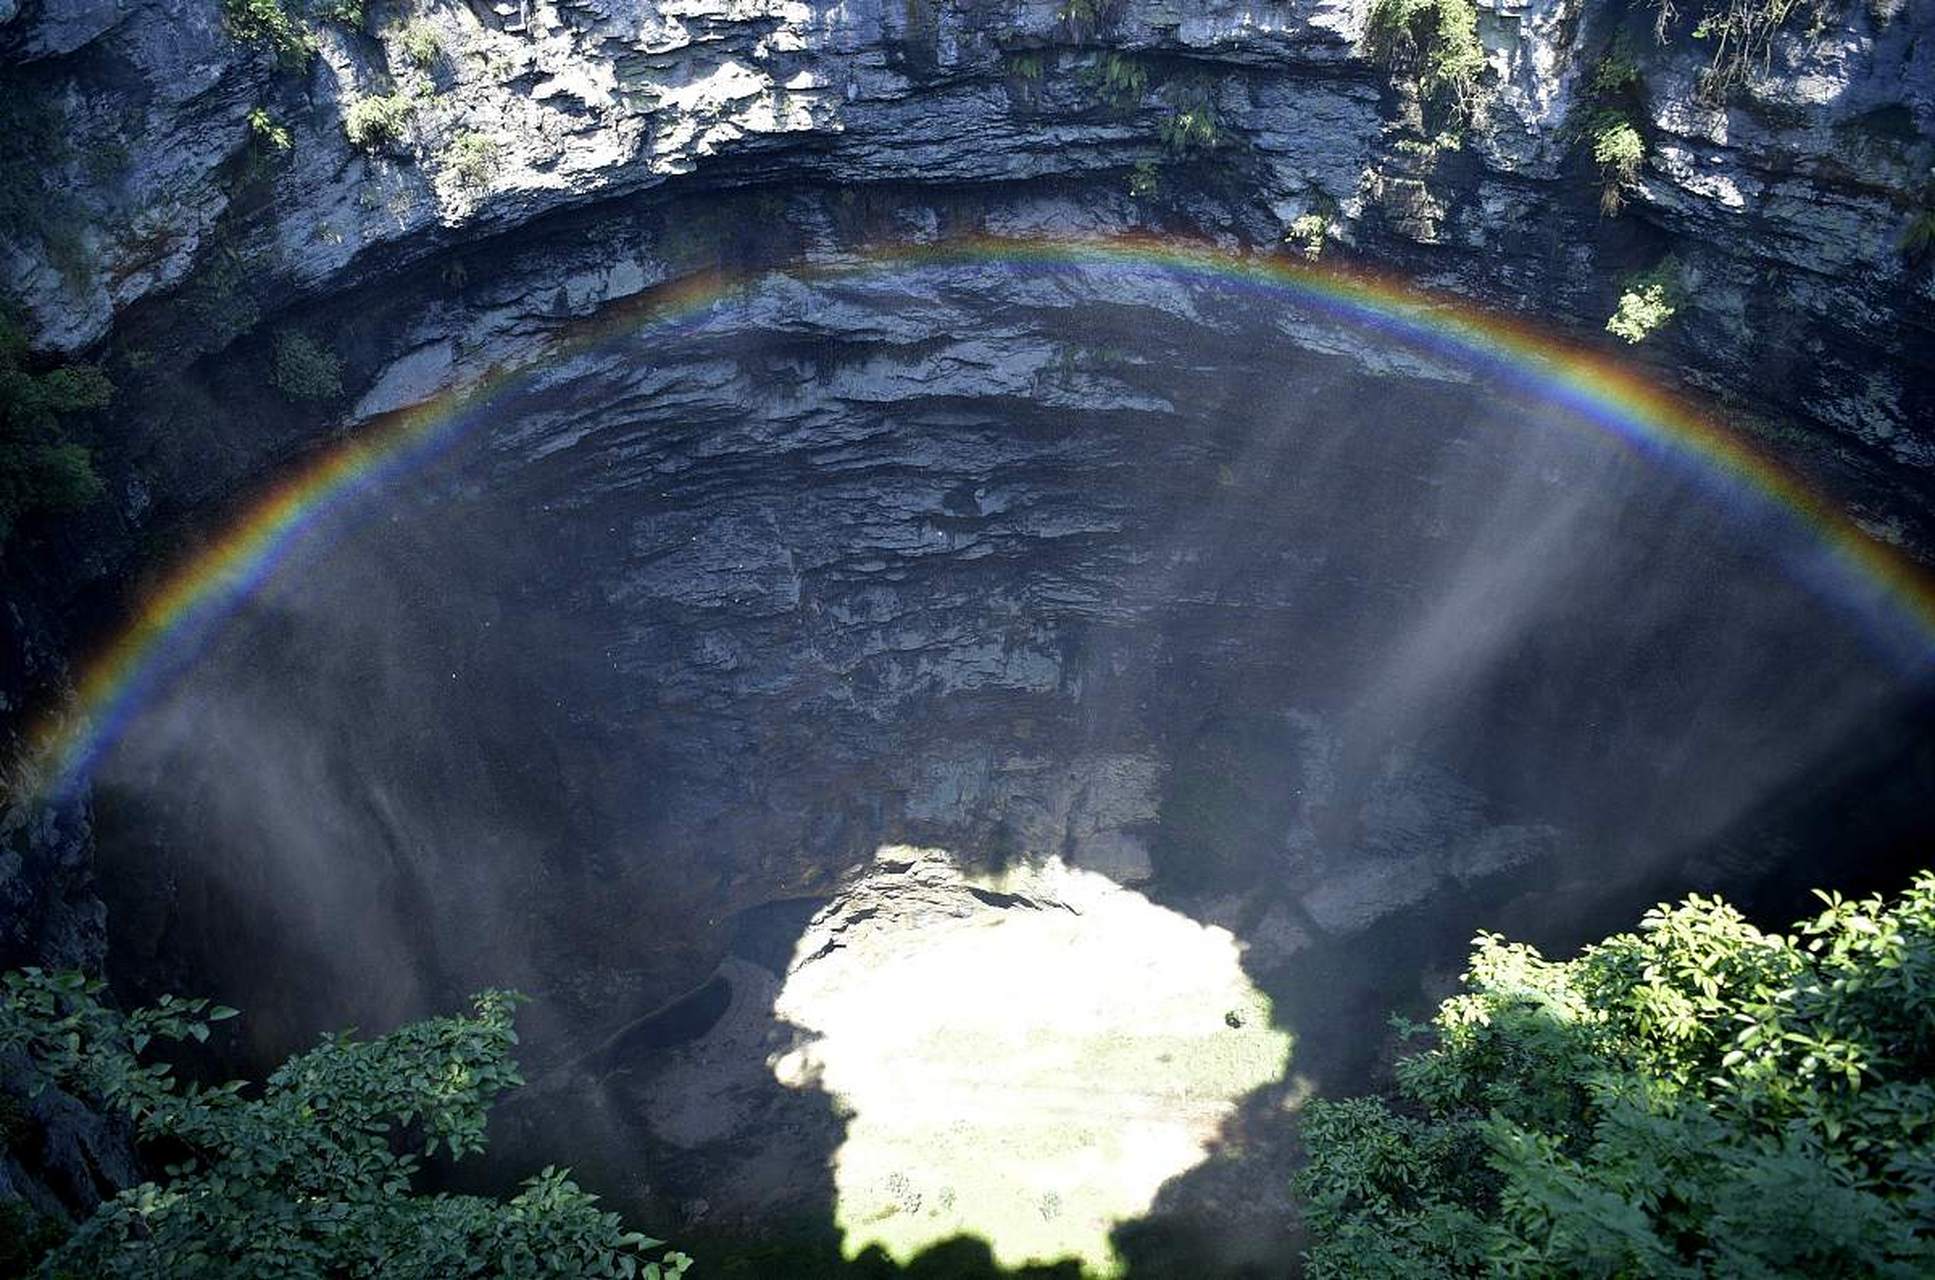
pixel 188 603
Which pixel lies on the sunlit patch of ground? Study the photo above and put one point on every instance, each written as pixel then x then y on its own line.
pixel 1027 1065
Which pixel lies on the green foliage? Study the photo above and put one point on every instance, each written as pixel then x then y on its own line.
pixel 1027 65
pixel 1617 72
pixel 1145 180
pixel 1617 146
pixel 1437 40
pixel 1191 130
pixel 379 120
pixel 41 469
pixel 269 24
pixel 1309 232
pixel 1697 1098
pixel 303 369
pixel 288 29
pixel 350 13
pixel 1120 80
pixel 1742 33
pixel 1192 124
pixel 419 43
pixel 1649 300
pixel 309 1176
pixel 268 131
pixel 472 159
pixel 1619 151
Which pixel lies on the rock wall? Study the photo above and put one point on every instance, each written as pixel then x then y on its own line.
pixel 1786 206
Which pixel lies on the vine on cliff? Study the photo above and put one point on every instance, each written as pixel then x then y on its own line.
pixel 1742 32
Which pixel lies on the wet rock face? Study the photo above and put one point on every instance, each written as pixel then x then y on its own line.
pixel 1325 645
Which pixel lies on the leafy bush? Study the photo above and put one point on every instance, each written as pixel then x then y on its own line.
pixel 379 120
pixel 1649 300
pixel 1697 1098
pixel 268 23
pixel 351 13
pixel 472 160
pixel 303 369
pixel 40 468
pixel 1618 150
pixel 419 42
pixel 1188 130
pixel 1309 232
pixel 310 1175
pixel 1436 38
pixel 26 1236
pixel 288 31
pixel 1192 124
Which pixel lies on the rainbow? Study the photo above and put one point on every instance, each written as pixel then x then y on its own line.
pixel 188 602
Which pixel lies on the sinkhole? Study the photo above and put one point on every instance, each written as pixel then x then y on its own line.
pixel 1244 650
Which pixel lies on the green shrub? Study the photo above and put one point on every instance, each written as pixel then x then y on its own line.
pixel 1435 39
pixel 1649 300
pixel 1145 180
pixel 267 23
pixel 1191 130
pixel 303 369
pixel 310 1174
pixel 379 120
pixel 1309 232
pixel 1192 124
pixel 1694 1099
pixel 1619 151
pixel 419 42
pixel 472 159
pixel 41 469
